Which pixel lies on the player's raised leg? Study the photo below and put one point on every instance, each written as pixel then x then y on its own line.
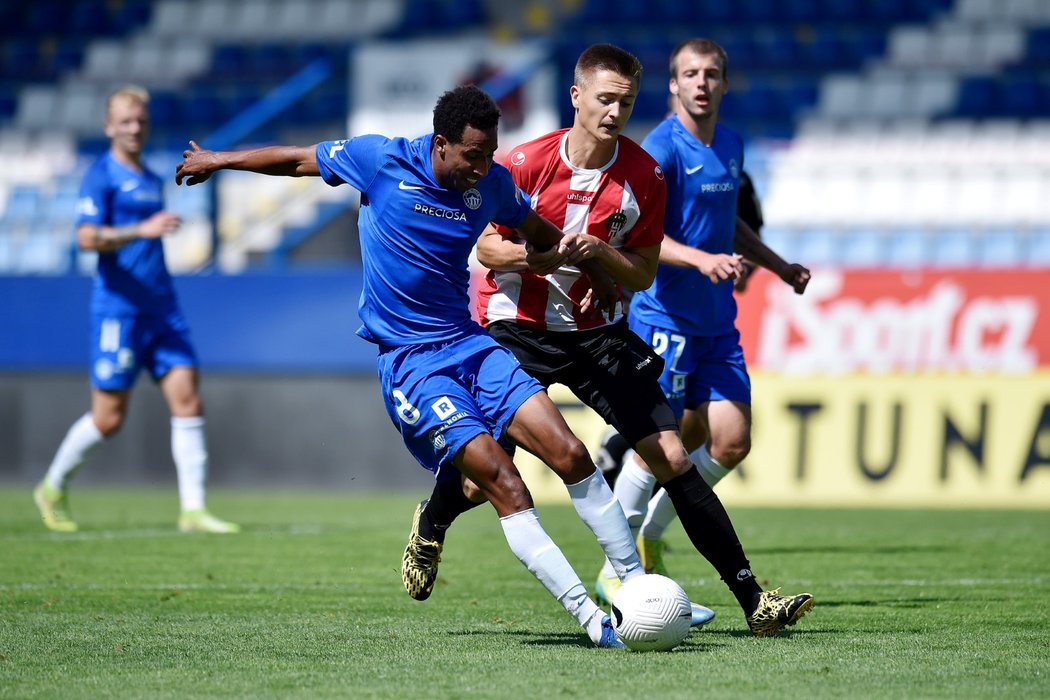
pixel 489 467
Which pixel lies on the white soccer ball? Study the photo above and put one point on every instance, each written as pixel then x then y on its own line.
pixel 651 613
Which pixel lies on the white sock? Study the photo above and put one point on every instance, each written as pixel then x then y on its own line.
pixel 601 512
pixel 80 441
pixel 661 514
pixel 633 489
pixel 711 471
pixel 536 550
pixel 190 452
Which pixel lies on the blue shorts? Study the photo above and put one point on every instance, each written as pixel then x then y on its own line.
pixel 698 368
pixel 440 396
pixel 123 345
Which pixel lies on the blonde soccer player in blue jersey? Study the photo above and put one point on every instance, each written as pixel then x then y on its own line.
pixel 136 323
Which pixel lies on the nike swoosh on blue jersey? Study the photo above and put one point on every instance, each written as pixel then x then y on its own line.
pixel 402 186
pixel 690 171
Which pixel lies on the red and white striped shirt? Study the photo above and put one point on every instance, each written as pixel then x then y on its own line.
pixel 621 203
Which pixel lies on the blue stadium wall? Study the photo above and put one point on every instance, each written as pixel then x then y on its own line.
pixel 290 391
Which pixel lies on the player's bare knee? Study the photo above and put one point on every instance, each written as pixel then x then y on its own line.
pixel 108 424
pixel 733 453
pixel 509 495
pixel 572 461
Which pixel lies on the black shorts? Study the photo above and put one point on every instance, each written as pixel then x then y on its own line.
pixel 610 369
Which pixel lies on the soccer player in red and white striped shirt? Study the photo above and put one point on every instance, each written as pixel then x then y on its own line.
pixel 608 196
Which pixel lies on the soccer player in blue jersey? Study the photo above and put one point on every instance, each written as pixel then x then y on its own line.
pixel 593 178
pixel 688 315
pixel 448 387
pixel 135 320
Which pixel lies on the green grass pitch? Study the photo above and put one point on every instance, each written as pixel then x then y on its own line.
pixel 308 603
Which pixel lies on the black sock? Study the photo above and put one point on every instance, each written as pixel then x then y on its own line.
pixel 706 522
pixel 447 503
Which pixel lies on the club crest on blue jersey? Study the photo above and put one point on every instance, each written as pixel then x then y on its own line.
pixel 734 168
pixel 86 207
pixel 472 198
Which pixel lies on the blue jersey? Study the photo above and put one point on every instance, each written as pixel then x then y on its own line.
pixel 416 236
pixel 702 184
pixel 133 278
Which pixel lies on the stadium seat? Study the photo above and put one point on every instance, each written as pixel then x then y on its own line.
pixel 23 206
pixel 862 248
pixel 818 247
pixel 1037 248
pixel 999 247
pixel 953 248
pixel 906 247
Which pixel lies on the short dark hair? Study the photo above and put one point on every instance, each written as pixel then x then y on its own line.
pixel 467 105
pixel 701 47
pixel 606 57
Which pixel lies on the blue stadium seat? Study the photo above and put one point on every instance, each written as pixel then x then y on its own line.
pixel 90 18
pixel 675 11
pixel 825 51
pixel 1000 247
pixel 862 248
pixel 952 247
pixel 23 205
pixel 47 17
pixel 801 10
pixel 1024 96
pixel 132 14
pixel 907 247
pixel 1037 250
pixel 61 208
pixel 977 96
pixel 231 61
pixel 19 57
pixel 1038 47
pixel 865 43
pixel 818 247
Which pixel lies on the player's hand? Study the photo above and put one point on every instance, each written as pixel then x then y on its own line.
pixel 160 224
pixel 721 267
pixel 746 270
pixel 197 165
pixel 797 276
pixel 602 296
pixel 543 262
pixel 577 247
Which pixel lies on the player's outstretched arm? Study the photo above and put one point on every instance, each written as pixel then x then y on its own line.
pixel 751 246
pixel 198 164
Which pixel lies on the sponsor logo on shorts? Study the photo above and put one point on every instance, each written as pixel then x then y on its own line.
pixel 443 407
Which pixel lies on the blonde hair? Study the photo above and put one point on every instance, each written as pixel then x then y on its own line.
pixel 131 93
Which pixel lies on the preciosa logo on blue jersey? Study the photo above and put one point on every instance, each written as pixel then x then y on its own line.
pixel 439 213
